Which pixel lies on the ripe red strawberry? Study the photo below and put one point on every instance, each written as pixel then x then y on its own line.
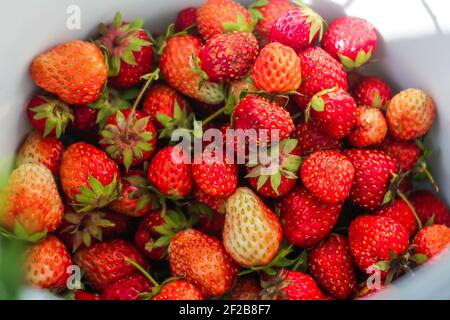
pixel 351 40
pixel 428 205
pixel 170 172
pixel 432 240
pixel 85 120
pixel 105 262
pixel 372 92
pixel 49 116
pixel 277 69
pixel 203 261
pixel 372 238
pixel 246 288
pixel 298 28
pixel 30 200
pixel 257 113
pixel 75 71
pixel 179 290
pixel 84 295
pixel 334 112
pixel 370 129
pixel 129 138
pixel 127 288
pixel 310 139
pixel 252 232
pixel 228 56
pixel 331 264
pixel 328 175
pixel 130 51
pixel 36 149
pixel 134 200
pixel 216 16
pixel 406 153
pixel 319 72
pixel 400 212
pixel 186 18
pixel 89 178
pixel 46 264
pixel 216 203
pixel 176 65
pixel 410 114
pixel 306 220
pixel 374 170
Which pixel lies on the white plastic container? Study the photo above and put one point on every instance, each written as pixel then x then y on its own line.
pixel 414 51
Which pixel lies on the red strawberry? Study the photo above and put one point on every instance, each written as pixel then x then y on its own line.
pixel 400 212
pixel 84 295
pixel 127 288
pixel 203 261
pixel 298 28
pixel 179 290
pixel 310 139
pixel 130 51
pixel 85 120
pixel 215 203
pixel 410 114
pixel 351 40
pixel 277 69
pixel 170 172
pixel 46 264
pixel 334 112
pixel 332 266
pixel 211 223
pixel 36 149
pixel 246 288
pixel 372 238
pixel 432 240
pixel 105 262
pixel 216 16
pixel 88 177
pixel 176 65
pixel 306 220
pixel 228 56
pixel 185 18
pixel 370 129
pixel 328 175
pixel 374 170
pixel 319 72
pixel 406 153
pixel 49 116
pixel 428 205
pixel 372 92
pixel 75 71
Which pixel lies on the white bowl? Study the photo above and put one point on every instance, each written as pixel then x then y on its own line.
pixel 414 51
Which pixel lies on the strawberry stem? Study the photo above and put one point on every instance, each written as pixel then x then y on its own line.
pixel 410 206
pixel 214 115
pixel 143 271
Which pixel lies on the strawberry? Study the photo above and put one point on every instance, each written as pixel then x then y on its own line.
pixel 374 170
pixel 36 149
pixel 75 71
pixel 351 40
pixel 30 201
pixel 104 262
pixel 170 172
pixel 46 264
pixel 406 153
pixel 370 129
pixel 298 28
pixel 130 51
pixel 310 139
pixel 211 223
pixel 185 19
pixel 372 238
pixel 334 112
pixel 134 200
pixel 129 138
pixel 432 240
pixel 88 177
pixel 328 175
pixel 203 261
pixel 331 264
pixel 399 211
pixel 252 232
pixel 49 116
pixel 179 290
pixel 372 92
pixel 306 220
pixel 216 16
pixel 246 288
pixel 176 66
pixel 84 295
pixel 410 114
pixel 319 72
pixel 275 179
pixel 277 69
pixel 228 56
pixel 216 203
pixel 130 287
pixel 85 120
pixel 429 206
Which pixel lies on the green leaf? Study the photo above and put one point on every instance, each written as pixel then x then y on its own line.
pixel 387 197
pixel 420 258
pixel 127 158
pixel 275 181
pixel 362 58
pixel 348 63
pixel 376 100
pixel 261 181
pixel 383 265
pixel 318 104
pixel 288 145
pixel 162 241
pixel 430 221
pixel 164 119
pixel 117 22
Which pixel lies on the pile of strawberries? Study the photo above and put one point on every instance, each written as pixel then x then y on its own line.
pixel 99 184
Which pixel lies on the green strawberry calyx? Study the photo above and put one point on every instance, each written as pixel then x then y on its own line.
pixel 56 113
pixel 96 195
pixel 141 194
pixel 317 102
pixel 255 13
pixel 315 21
pixel 281 260
pixel 240 24
pixel 20 233
pixel 181 119
pixel 361 58
pixel 421 169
